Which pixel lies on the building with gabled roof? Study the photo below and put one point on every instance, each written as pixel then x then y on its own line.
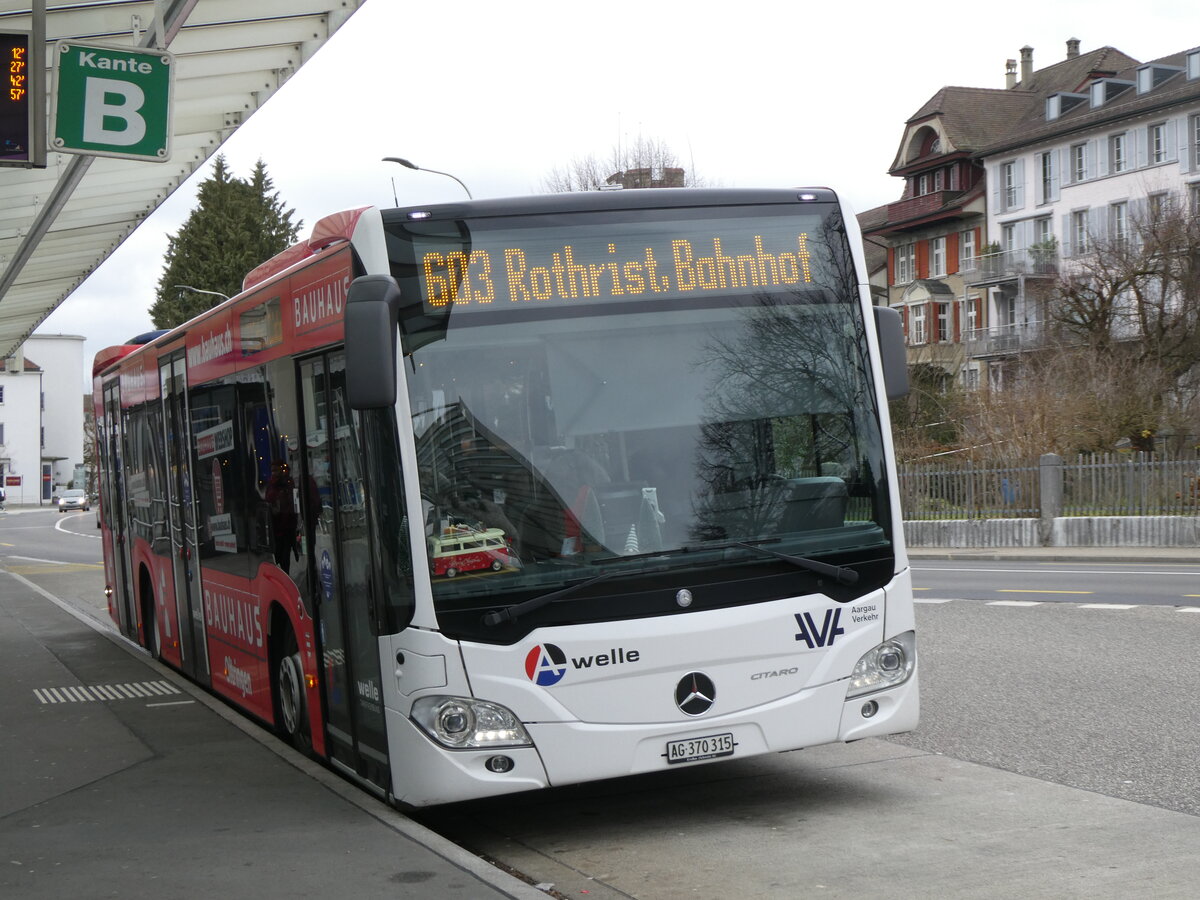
pixel 1004 187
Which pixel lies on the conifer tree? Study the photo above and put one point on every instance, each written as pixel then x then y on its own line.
pixel 237 224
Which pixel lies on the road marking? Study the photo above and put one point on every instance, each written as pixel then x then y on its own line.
pixel 1108 606
pixel 129 690
pixel 1014 603
pixel 934 599
pixel 1019 591
pixel 1044 571
pixel 1195 609
pixel 54 568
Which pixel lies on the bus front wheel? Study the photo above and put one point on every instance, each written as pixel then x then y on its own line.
pixel 291 708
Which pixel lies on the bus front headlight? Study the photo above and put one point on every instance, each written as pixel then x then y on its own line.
pixel 885 665
pixel 463 723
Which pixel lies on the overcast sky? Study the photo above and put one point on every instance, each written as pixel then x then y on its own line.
pixel 755 93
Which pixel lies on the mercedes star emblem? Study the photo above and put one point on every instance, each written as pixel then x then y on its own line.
pixel 695 694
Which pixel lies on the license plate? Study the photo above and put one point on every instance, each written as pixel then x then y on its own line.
pixel 708 747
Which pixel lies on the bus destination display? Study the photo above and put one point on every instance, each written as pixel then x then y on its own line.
pixel 14 99
pixel 552 272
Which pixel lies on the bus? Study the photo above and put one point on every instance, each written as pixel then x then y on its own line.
pixel 653 422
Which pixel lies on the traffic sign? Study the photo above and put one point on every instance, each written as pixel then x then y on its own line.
pixel 112 101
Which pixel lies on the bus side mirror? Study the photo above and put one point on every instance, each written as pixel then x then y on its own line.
pixel 890 331
pixel 372 308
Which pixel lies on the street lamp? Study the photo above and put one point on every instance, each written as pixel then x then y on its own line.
pixel 414 166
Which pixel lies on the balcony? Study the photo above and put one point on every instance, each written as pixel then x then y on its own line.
pixel 1003 340
pixel 1009 264
pixel 924 205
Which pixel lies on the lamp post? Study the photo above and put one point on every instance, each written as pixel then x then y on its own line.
pixel 411 165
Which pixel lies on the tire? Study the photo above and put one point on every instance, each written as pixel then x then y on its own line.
pixel 150 635
pixel 497 565
pixel 287 688
pixel 451 572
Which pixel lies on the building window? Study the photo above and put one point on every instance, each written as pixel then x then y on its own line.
pixel 937 257
pixel 1008 238
pixel 1 394
pixel 1118 222
pixel 1158 143
pixel 922 185
pixel 1118 158
pixel 1 434
pixel 905 259
pixel 917 321
pixel 1158 205
pixel 1009 174
pixel 1194 144
pixel 1079 231
pixel 1079 162
pixel 972 315
pixel 943 322
pixel 966 250
pixel 1043 231
pixel 938 180
pixel 1194 199
pixel 1048 167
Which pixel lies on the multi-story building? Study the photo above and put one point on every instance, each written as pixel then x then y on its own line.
pixel 41 418
pixel 1096 153
pixel 1005 187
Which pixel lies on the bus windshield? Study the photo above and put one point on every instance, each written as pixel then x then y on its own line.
pixel 646 396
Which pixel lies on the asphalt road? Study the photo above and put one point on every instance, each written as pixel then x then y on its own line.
pixel 1079 581
pixel 1056 757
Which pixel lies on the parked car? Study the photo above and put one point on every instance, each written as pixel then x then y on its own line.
pixel 74 499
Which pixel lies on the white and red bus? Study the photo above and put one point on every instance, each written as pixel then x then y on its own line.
pixel 667 410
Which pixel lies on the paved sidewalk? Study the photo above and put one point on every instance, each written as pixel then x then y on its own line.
pixel 120 779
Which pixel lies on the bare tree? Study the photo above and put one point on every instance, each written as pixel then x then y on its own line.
pixel 1130 305
pixel 646 162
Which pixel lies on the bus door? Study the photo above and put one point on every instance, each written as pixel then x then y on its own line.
pixel 340 556
pixel 181 515
pixel 115 511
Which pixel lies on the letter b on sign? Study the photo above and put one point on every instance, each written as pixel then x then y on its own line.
pixel 112 112
pixel 112 101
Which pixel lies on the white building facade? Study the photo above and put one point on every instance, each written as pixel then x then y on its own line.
pixel 42 418
pixel 1085 166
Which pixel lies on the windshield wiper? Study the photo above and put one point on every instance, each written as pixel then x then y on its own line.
pixel 510 613
pixel 839 573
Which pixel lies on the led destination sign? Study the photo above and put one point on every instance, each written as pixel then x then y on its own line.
pixel 548 271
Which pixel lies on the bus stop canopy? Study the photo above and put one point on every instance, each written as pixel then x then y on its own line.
pixel 59 223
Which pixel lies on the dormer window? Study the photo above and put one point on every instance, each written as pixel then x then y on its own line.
pixel 1061 103
pixel 1105 89
pixel 1193 64
pixel 1151 76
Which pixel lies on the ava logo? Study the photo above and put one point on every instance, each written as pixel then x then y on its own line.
pixel 545 664
pixel 823 636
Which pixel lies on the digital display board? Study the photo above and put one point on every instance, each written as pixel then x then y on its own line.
pixel 544 267
pixel 15 100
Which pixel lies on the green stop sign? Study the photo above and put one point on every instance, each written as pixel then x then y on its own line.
pixel 112 101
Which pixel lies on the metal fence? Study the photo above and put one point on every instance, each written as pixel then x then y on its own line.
pixel 1131 484
pixel 1117 484
pixel 964 491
